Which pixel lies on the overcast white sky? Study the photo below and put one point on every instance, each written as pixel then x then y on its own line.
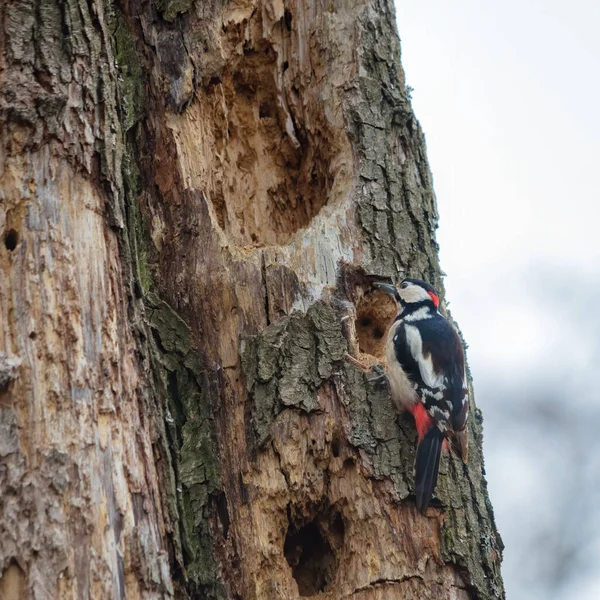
pixel 508 94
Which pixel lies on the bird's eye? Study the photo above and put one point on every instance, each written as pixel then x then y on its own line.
pixel 404 285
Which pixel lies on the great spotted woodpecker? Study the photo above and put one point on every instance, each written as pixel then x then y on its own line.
pixel 426 374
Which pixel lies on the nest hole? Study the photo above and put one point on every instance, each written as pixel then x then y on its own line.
pixel 311 551
pixel 375 312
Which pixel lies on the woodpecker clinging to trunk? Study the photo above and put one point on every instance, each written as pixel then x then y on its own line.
pixel 426 374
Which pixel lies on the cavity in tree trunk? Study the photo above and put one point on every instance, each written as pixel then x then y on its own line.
pixel 195 199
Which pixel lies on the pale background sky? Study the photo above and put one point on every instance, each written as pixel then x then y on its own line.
pixel 508 94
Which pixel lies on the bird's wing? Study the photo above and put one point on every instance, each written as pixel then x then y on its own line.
pixel 432 355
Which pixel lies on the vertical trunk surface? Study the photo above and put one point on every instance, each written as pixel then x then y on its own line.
pixel 195 198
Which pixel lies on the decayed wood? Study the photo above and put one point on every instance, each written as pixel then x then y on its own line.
pixel 78 477
pixel 196 198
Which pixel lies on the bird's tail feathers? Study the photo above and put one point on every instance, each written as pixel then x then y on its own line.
pixel 427 466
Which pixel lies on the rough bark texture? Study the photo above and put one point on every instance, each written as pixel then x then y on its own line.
pixel 195 197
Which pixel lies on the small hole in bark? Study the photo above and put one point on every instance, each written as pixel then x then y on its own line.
pixel 335 447
pixel 337 531
pixel 33 335
pixel 265 110
pixel 287 17
pixel 223 512
pixel 286 65
pixel 11 239
pixel 309 553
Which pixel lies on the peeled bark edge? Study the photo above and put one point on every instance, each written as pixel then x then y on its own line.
pixel 184 391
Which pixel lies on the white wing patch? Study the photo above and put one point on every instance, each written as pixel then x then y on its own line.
pixel 413 293
pixel 428 374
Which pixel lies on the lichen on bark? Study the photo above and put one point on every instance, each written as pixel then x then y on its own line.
pixel 287 363
pixel 187 363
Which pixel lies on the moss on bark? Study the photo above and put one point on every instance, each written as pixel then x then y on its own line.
pixel 182 394
pixel 193 466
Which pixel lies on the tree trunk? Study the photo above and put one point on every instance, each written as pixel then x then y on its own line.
pixel 195 199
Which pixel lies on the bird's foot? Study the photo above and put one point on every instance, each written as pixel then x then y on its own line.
pixel 368 365
pixel 381 375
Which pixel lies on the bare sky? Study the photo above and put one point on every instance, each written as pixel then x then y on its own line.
pixel 508 94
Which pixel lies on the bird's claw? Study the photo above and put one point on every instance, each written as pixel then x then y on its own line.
pixel 378 369
pixel 380 373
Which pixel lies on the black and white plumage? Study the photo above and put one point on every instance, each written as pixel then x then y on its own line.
pixel 426 374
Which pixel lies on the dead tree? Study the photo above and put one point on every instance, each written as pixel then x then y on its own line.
pixel 194 200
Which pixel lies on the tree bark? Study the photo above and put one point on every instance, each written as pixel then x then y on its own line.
pixel 195 199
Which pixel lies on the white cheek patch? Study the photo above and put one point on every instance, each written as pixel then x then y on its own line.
pixel 428 374
pixel 414 293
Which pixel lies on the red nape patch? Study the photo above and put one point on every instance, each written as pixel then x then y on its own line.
pixel 422 419
pixel 436 300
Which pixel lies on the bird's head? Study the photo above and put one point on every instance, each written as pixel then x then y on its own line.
pixel 411 293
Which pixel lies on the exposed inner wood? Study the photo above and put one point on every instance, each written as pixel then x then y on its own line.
pixel 374 314
pixel 195 200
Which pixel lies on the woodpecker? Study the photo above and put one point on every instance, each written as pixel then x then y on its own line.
pixel 426 374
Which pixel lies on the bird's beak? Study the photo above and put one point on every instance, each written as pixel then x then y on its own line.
pixel 388 288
